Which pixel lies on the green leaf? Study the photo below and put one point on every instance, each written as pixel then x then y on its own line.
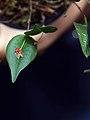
pixel 29 53
pixel 48 29
pixel 87 71
pixel 36 30
pixel 82 31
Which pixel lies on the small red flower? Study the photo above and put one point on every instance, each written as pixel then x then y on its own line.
pixel 18 53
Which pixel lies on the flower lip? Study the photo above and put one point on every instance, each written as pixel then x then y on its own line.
pixel 18 53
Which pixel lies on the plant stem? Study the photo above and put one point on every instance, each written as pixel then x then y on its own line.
pixel 43 18
pixel 65 2
pixel 29 20
pixel 85 18
pixel 23 44
pixel 40 37
pixel 30 14
pixel 78 8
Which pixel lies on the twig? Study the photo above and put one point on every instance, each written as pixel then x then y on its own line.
pixel 85 18
pixel 78 8
pixel 13 18
pixel 30 14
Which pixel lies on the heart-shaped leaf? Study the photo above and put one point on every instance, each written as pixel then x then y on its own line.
pixel 82 31
pixel 29 51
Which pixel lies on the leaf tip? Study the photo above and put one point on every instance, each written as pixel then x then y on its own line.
pixel 13 80
pixel 86 71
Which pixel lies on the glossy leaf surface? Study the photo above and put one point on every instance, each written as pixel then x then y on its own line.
pixel 87 71
pixel 38 29
pixel 82 31
pixel 48 29
pixel 29 53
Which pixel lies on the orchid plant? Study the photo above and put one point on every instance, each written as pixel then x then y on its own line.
pixel 22 48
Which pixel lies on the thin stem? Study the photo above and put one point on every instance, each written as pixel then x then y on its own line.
pixel 40 37
pixel 29 20
pixel 65 2
pixel 35 43
pixel 85 18
pixel 43 18
pixel 13 18
pixel 23 44
pixel 78 8
pixel 30 14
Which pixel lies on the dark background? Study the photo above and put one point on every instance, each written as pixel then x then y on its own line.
pixel 52 87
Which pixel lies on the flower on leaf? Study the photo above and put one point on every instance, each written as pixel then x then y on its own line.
pixel 18 53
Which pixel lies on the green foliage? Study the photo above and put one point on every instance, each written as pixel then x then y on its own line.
pixel 21 50
pixel 82 31
pixel 38 29
pixel 48 29
pixel 87 71
pixel 29 53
